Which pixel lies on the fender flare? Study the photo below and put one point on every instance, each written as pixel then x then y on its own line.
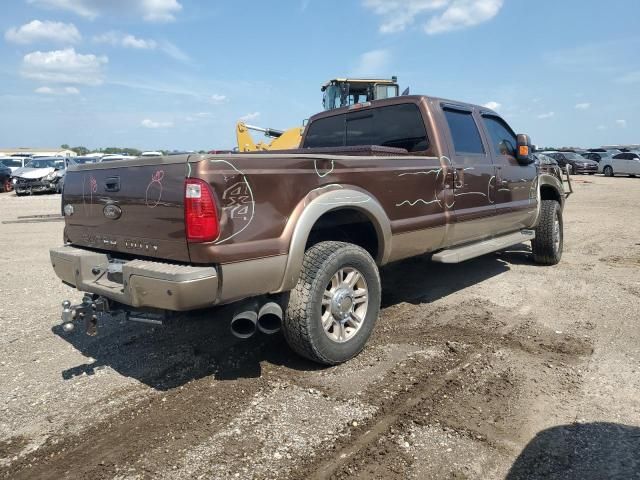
pixel 547 180
pixel 552 181
pixel 326 199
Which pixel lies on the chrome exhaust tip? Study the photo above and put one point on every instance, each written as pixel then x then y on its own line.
pixel 243 324
pixel 270 318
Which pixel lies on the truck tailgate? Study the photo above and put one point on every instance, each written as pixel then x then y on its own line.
pixel 130 206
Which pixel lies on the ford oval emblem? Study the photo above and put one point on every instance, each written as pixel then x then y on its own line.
pixel 112 211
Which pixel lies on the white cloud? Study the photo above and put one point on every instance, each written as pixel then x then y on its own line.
pixel 492 105
pixel 126 40
pixel 542 116
pixel 583 106
pixel 601 127
pixel 250 116
pixel 37 31
pixel 372 63
pixel 159 11
pixel 631 77
pixel 444 15
pixel 64 66
pixel 463 13
pixel 119 39
pixel 217 99
pixel 57 91
pixel 621 123
pixel 175 52
pixel 148 123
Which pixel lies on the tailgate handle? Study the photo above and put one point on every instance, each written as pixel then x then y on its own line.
pixel 112 184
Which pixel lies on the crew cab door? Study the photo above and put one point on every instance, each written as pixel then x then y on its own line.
pixel 470 176
pixel 515 186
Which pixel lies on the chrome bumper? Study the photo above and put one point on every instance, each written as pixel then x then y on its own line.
pixel 137 283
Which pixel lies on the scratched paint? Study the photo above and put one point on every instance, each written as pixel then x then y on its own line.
pixel 238 202
pixel 153 194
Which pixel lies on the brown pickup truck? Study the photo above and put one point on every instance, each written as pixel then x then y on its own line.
pixel 294 239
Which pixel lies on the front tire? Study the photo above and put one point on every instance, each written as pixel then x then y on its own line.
pixel 335 305
pixel 608 171
pixel 548 244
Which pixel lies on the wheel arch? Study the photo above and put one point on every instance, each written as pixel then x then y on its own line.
pixel 551 188
pixel 329 202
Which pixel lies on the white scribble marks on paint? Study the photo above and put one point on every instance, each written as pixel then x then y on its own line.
pixel 322 175
pixel 414 203
pixel 237 198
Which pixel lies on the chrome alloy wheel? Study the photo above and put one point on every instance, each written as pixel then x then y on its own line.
pixel 344 304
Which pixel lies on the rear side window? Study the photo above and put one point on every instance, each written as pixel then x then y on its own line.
pixel 464 132
pixel 398 126
pixel 620 156
pixel 503 139
pixel 326 132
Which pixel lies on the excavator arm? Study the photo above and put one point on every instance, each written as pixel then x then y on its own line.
pixel 282 140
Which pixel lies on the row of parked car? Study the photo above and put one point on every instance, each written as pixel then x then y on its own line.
pixel 609 162
pixel 41 174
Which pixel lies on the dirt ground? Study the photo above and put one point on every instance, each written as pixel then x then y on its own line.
pixel 490 369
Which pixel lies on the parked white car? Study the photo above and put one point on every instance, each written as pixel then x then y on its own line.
pixel 14 163
pixel 625 163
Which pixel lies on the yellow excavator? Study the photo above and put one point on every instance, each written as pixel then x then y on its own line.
pixel 282 140
pixel 337 92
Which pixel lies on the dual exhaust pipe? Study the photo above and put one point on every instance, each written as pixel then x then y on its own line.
pixel 249 319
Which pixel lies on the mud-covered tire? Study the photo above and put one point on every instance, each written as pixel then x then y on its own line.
pixel 608 171
pixel 303 323
pixel 548 244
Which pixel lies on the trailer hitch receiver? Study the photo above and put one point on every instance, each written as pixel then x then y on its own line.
pixel 90 310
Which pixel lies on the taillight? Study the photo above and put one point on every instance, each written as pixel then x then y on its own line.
pixel 200 214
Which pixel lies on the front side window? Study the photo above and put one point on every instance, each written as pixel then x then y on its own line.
pixel 503 139
pixel 397 126
pixel 464 132
pixel 620 156
pixel 326 132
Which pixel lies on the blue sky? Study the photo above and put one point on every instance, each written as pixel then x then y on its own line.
pixel 178 74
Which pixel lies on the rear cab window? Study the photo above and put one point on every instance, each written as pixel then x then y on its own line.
pixel 326 132
pixel 398 126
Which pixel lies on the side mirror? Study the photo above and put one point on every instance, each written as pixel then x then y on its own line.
pixel 523 149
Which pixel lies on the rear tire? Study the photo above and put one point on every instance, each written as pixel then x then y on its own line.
pixel 608 171
pixel 548 244
pixel 335 305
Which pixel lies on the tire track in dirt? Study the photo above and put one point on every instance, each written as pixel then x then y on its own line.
pixel 431 398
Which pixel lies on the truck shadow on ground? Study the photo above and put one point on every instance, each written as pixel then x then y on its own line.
pixel 200 344
pixel 419 280
pixel 587 451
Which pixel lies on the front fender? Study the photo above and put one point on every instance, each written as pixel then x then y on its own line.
pixel 546 180
pixel 323 200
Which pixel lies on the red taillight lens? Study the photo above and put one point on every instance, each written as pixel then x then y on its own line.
pixel 200 214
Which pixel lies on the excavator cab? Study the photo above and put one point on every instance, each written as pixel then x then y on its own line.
pixel 342 92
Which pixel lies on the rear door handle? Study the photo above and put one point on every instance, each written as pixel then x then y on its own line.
pixel 112 184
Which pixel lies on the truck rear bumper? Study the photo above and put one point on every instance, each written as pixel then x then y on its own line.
pixel 137 283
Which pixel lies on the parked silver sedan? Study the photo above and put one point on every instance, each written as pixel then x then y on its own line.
pixel 625 163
